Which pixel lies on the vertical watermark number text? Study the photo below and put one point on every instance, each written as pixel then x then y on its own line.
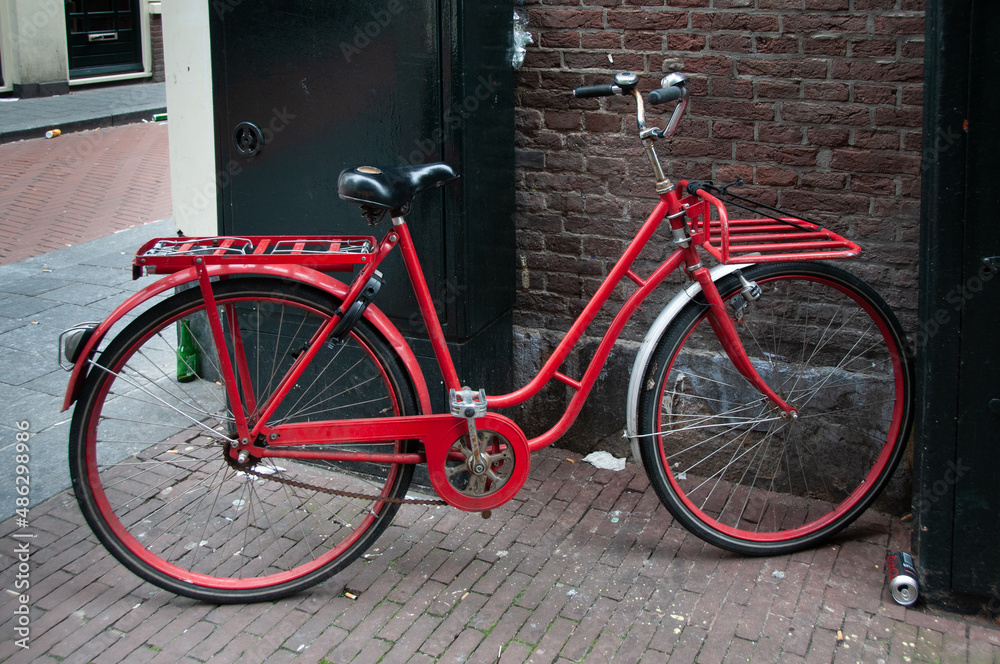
pixel 22 536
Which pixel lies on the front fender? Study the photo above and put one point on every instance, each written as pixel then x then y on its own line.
pixel 291 272
pixel 656 331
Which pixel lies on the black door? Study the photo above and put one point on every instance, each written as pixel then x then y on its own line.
pixel 104 37
pixel 977 301
pixel 956 493
pixel 306 88
pixel 329 86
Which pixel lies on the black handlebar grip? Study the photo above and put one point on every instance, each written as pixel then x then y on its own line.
pixel 594 91
pixel 663 95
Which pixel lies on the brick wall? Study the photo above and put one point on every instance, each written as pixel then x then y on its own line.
pixel 815 103
pixel 156 43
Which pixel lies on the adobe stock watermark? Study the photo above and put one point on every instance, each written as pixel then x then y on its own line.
pixel 223 7
pixel 279 121
pixel 993 605
pixel 448 294
pixel 957 299
pixel 945 139
pixel 453 119
pixel 47 10
pixel 365 33
pixel 933 493
pixel 23 548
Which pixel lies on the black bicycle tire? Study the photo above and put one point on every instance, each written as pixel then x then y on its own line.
pixel 153 318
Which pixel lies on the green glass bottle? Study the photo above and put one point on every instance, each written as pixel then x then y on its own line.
pixel 188 365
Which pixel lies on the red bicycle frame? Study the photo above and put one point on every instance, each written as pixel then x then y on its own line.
pixel 691 223
pixel 436 430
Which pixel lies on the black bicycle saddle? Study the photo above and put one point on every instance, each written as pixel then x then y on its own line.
pixel 391 189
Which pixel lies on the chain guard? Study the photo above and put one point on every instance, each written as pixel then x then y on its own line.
pixel 507 459
pixel 511 453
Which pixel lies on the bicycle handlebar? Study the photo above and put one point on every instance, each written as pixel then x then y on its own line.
pixel 672 88
pixel 597 91
pixel 664 95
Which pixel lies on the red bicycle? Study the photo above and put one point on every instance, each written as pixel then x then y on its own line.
pixel 250 434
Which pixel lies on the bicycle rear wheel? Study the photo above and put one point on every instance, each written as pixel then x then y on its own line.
pixel 149 454
pixel 722 458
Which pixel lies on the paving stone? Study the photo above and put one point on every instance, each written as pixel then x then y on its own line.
pixel 461 649
pixel 553 641
pixel 589 629
pixel 73 192
pixel 52 383
pixel 500 635
pixel 637 639
pixel 79 293
pixel 410 640
pixel 459 588
pixel 22 308
pixel 453 625
pixel 29 287
pixel 689 645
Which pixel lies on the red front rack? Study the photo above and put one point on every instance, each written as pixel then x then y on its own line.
pixel 760 240
pixel 326 253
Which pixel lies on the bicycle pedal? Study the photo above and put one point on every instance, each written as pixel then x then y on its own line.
pixel 467 404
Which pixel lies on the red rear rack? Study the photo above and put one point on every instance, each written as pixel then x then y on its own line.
pixel 326 253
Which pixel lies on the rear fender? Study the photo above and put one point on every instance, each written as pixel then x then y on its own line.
pixel 290 272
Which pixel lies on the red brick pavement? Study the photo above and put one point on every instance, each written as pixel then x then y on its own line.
pixel 583 565
pixel 82 186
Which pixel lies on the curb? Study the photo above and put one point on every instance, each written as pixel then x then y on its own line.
pixel 83 124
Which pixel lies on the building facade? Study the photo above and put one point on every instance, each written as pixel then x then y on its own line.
pixel 49 46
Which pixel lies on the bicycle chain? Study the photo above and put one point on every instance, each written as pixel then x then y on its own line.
pixel 344 494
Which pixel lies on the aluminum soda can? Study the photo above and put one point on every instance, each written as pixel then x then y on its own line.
pixel 902 577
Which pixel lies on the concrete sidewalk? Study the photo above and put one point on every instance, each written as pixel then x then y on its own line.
pixel 81 109
pixel 39 298
pixel 583 565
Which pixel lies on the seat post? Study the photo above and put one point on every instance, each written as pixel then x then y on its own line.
pixel 426 304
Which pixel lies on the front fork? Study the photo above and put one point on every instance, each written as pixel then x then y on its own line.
pixel 725 329
pixel 718 316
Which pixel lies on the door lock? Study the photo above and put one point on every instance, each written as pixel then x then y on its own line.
pixel 249 139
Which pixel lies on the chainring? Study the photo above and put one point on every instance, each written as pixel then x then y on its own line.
pixel 481 473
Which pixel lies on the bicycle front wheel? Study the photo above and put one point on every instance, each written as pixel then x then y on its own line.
pixel 722 457
pixel 152 429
